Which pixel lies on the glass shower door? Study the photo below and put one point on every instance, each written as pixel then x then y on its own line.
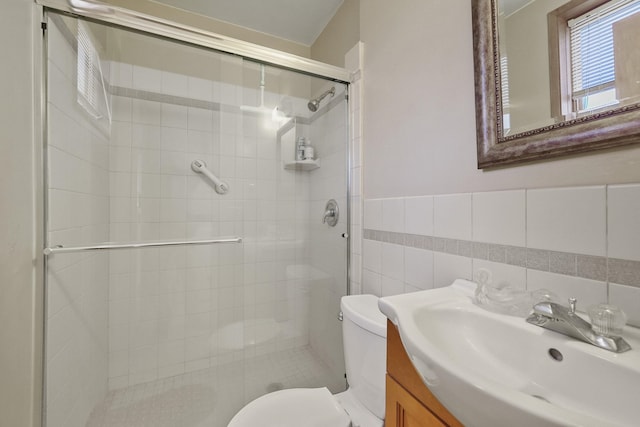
pixel 295 265
pixel 174 332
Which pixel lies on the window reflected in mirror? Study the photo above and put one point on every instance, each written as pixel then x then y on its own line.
pixel 562 60
pixel 542 92
pixel 601 50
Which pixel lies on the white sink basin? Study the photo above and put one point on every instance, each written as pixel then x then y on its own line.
pixel 494 370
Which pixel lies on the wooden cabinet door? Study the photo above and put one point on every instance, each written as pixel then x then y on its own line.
pixel 404 410
pixel 402 372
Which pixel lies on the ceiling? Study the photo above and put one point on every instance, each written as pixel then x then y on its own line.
pixel 507 7
pixel 300 21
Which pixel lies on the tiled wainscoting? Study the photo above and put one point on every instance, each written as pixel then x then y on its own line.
pixel 582 242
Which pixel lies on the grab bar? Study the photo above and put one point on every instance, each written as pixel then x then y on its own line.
pixel 61 249
pixel 199 166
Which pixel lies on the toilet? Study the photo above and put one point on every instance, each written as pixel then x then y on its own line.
pixel 364 330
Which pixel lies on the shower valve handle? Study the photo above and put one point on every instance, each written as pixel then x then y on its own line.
pixel 331 213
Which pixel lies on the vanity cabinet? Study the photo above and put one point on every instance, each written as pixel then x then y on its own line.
pixel 409 403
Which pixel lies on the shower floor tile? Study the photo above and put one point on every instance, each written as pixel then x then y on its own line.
pixel 210 397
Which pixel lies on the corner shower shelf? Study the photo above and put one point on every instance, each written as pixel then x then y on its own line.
pixel 302 165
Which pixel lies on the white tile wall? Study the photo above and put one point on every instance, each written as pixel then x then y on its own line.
pixel 418 268
pixel 393 261
pixel 372 256
pixel 418 215
pixel 499 217
pixel 390 286
pixel 503 274
pixel 628 299
pixel 373 214
pixel 452 216
pixel 174 84
pixel 393 215
pixel 447 268
pixel 353 62
pixel 567 220
pixel 328 132
pixel 146 79
pixel 371 283
pixel 588 292
pixel 623 221
pixel 597 220
pixel 168 305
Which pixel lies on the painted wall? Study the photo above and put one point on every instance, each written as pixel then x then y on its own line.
pixel 20 299
pixel 219 27
pixel 339 36
pixel 419 114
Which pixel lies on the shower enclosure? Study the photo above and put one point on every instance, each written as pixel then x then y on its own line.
pixel 188 268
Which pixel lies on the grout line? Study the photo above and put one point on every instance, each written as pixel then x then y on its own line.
pixel 526 237
pixel 606 238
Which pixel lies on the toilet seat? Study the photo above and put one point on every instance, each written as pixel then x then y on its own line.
pixel 308 407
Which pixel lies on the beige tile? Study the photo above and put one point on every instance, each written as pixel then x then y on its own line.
pixel 499 217
pixel 623 204
pixel 567 220
pixel 452 216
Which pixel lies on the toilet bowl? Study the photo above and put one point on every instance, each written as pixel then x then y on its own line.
pixel 362 405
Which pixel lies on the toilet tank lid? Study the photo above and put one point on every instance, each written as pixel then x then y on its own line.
pixel 363 311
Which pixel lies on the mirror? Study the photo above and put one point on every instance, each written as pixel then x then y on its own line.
pixel 532 101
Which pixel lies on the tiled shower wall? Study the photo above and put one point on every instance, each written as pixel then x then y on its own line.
pixel 328 132
pixel 353 62
pixel 581 242
pixel 161 299
pixel 153 313
pixel 187 308
pixel 78 214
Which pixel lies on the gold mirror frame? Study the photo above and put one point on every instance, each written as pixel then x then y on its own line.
pixel 608 129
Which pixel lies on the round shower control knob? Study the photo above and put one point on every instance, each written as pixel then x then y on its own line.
pixel 331 213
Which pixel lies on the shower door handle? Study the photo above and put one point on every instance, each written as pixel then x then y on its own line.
pixel 137 245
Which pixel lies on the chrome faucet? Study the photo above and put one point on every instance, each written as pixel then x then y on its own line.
pixel 564 320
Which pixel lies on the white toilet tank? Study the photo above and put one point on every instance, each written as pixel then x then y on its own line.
pixel 364 330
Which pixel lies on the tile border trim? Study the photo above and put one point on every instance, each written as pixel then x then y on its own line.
pixel 612 270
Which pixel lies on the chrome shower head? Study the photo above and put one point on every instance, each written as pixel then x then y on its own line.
pixel 315 103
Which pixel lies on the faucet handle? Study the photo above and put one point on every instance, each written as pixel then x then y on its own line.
pixel 572 306
pixel 607 320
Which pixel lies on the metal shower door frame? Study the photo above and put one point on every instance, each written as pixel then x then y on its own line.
pixel 106 13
